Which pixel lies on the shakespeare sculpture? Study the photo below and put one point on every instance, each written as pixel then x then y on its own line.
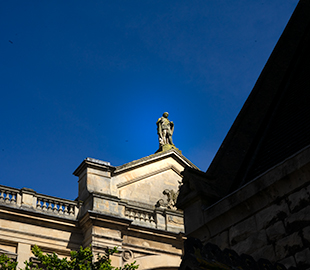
pixel 165 130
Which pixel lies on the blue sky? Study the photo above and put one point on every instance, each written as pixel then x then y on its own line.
pixel 90 78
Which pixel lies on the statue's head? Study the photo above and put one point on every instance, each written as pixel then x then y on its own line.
pixel 165 114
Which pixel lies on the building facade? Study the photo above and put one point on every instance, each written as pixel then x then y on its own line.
pixel 129 206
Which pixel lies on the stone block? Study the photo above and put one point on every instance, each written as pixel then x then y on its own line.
pixel 193 217
pixel 266 252
pixel 271 215
pixel 242 230
pixel 221 240
pixel 298 220
pixel 28 198
pixel 275 231
pixel 288 262
pixel 161 221
pixel 306 233
pixel 288 245
pixel 303 258
pixel 251 244
pixel 298 200
pixel 105 205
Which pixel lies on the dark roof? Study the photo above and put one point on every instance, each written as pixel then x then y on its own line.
pixel 274 122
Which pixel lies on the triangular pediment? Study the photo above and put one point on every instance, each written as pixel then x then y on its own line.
pixel 150 174
pixel 145 179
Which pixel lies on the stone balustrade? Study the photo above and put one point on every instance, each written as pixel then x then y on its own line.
pixel 28 198
pixel 160 218
pixel 8 195
pixel 141 216
pixel 56 206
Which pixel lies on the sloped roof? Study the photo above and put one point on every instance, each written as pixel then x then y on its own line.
pixel 274 122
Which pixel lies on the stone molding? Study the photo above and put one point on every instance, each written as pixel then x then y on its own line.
pixel 123 184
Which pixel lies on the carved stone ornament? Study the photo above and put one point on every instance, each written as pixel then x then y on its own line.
pixel 170 201
pixel 127 255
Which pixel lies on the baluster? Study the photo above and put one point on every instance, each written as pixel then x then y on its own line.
pixel 44 206
pixel 7 196
pixel 66 209
pixel 60 210
pixel 71 210
pixel 13 199
pixel 1 196
pixel 49 205
pixel 55 210
pixel 39 203
pixel 152 219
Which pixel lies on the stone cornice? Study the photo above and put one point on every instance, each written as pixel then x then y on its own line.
pixel 37 217
pixel 93 163
pixel 153 158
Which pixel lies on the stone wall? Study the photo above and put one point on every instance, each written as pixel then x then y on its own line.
pixel 268 218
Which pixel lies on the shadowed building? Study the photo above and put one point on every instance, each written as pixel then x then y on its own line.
pixel 254 197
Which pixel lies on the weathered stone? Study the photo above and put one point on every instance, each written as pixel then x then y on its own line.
pixel 251 244
pixel 165 129
pixel 288 245
pixel 271 215
pixel 221 240
pixel 115 207
pixel 288 262
pixel 275 231
pixel 298 200
pixel 24 252
pixel 303 257
pixel 242 230
pixel 266 252
pixel 306 233
pixel 298 220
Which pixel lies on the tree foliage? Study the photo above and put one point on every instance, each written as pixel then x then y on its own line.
pixel 78 260
pixel 6 263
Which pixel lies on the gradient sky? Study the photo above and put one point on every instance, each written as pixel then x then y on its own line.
pixel 90 79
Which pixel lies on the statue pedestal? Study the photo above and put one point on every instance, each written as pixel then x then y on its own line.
pixel 167 147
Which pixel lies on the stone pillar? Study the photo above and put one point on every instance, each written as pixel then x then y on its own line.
pixel 160 219
pixel 23 254
pixel 94 176
pixel 28 198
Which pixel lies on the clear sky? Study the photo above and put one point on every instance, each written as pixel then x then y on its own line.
pixel 90 79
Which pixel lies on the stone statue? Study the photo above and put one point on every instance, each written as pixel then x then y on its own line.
pixel 165 130
pixel 170 201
